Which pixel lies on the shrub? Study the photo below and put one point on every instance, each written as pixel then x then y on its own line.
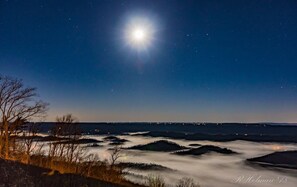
pixel 187 182
pixel 155 181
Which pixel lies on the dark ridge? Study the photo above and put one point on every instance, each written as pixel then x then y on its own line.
pixel 62 140
pixel 115 140
pixel 42 138
pixel 80 141
pixel 194 144
pixel 222 137
pixel 144 166
pixel 162 145
pixel 284 159
pixel 110 138
pixel 116 143
pixel 205 149
pixel 203 128
pixel 94 145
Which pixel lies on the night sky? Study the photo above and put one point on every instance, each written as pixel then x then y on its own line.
pixel 217 61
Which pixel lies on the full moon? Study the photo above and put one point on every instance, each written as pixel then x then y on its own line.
pixel 139 33
pixel 139 37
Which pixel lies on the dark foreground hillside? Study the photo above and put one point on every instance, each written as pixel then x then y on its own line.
pixel 20 175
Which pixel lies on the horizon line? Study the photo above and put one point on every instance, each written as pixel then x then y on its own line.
pixel 178 122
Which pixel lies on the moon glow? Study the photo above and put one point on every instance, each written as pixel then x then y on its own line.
pixel 139 33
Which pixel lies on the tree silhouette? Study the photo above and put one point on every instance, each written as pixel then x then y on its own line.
pixel 18 104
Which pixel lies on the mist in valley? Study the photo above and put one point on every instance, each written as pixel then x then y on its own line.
pixel 208 170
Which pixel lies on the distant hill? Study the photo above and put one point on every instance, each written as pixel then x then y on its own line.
pixel 81 141
pixel 113 140
pixel 194 144
pixel 59 140
pixel 94 145
pixel 222 137
pixel 144 166
pixel 42 138
pixel 205 149
pixel 162 145
pixel 203 128
pixel 284 159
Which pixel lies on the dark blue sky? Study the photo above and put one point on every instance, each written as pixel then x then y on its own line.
pixel 208 60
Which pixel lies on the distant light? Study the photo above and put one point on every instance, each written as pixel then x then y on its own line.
pixel 276 147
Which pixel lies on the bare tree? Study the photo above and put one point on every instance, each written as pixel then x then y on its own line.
pixel 67 132
pixel 155 181
pixel 91 160
pixel 115 154
pixel 18 103
pixel 28 140
pixel 187 182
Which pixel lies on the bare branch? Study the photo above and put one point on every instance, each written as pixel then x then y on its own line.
pixel 17 105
